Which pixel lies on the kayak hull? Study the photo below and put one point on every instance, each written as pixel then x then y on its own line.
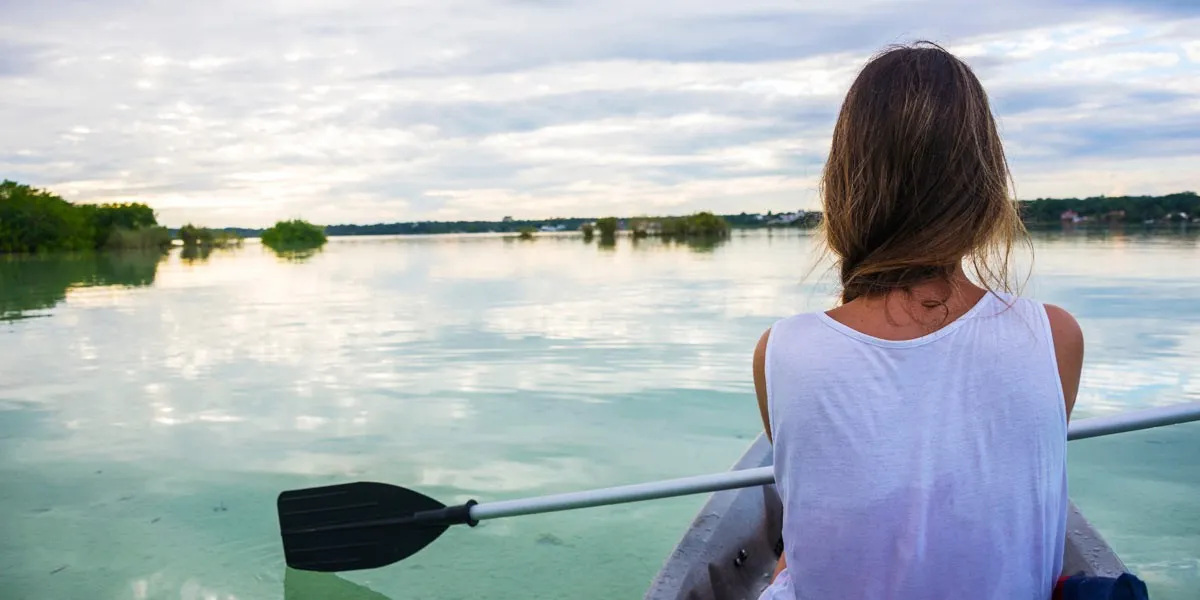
pixel 731 549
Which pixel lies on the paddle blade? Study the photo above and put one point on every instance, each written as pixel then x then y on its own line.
pixel 353 526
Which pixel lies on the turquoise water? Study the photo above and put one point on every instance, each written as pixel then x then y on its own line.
pixel 151 410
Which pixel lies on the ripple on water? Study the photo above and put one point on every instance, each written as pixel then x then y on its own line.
pixel 146 428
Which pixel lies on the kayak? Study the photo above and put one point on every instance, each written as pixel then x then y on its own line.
pixel 731 549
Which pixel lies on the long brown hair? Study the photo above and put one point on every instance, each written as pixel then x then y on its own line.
pixel 917 182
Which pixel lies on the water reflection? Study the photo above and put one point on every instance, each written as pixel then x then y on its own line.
pixel 195 253
pixel 30 284
pixel 700 245
pixel 294 256
pixel 703 244
pixel 1180 236
pixel 307 585
pixel 467 367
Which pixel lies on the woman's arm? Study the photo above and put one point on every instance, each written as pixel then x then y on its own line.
pixel 760 380
pixel 760 390
pixel 1068 351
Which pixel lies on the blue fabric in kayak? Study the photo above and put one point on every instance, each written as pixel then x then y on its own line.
pixel 1082 587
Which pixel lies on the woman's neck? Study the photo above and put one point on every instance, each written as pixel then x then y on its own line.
pixel 911 313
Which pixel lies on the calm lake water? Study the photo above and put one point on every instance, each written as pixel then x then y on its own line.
pixel 151 410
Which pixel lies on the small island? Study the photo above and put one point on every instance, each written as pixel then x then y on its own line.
pixel 203 237
pixel 294 235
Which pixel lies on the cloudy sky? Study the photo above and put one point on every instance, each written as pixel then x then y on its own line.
pixel 358 111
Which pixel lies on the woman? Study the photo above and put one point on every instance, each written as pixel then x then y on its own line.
pixel 919 428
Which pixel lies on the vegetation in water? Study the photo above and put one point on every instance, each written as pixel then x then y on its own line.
pixel 35 220
pixel 30 284
pixel 142 238
pixel 588 230
pixel 203 237
pixel 526 233
pixel 699 225
pixel 294 235
pixel 608 228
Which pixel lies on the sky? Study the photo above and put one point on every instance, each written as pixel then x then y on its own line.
pixel 236 113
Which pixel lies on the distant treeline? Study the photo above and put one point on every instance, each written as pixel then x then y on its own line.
pixel 742 220
pixel 33 220
pixel 1133 209
pixel 434 227
pixel 232 233
pixel 1183 206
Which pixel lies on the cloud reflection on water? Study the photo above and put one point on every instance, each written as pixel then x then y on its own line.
pixel 482 368
pixel 338 345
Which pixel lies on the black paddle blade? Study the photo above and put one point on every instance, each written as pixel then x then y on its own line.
pixel 354 526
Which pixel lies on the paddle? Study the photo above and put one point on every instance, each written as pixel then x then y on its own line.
pixel 366 525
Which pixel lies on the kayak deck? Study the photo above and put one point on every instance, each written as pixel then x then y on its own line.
pixel 731 549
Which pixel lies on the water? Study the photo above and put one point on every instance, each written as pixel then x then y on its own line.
pixel 151 410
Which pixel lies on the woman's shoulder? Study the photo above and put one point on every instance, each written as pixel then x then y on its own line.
pixel 1066 339
pixel 1057 315
pixel 786 326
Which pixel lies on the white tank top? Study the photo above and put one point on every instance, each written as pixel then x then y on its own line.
pixel 920 469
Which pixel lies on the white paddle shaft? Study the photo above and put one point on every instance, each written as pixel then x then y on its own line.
pixel 713 482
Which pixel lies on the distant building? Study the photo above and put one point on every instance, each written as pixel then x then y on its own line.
pixel 507 220
pixel 787 218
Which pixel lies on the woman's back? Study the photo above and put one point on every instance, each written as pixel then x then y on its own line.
pixel 931 467
pixel 919 428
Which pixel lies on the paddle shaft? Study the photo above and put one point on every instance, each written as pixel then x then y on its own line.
pixel 714 482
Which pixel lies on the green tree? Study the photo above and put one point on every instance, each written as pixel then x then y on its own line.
pixel 34 220
pixel 196 236
pixel 607 227
pixel 121 226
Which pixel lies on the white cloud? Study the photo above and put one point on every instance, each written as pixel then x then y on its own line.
pixel 364 111
pixel 1108 65
pixel 1192 50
